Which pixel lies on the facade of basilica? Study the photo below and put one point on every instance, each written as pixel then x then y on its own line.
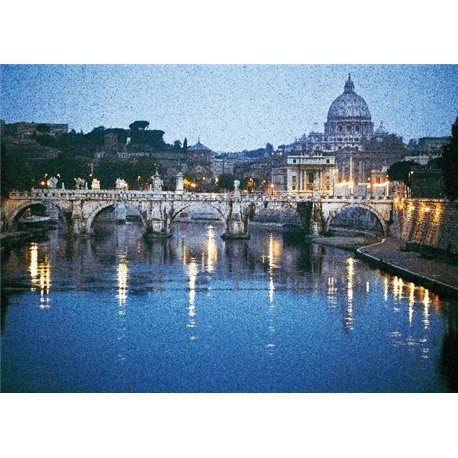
pixel 349 136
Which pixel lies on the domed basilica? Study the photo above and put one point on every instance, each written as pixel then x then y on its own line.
pixel 349 120
pixel 349 136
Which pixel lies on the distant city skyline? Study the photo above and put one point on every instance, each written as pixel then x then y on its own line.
pixel 229 107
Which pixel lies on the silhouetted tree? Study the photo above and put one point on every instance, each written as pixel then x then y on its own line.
pixel 136 172
pixel 139 125
pixel 400 171
pixel 226 182
pixel 450 164
pixel 15 172
pixel 185 144
pixel 47 140
pixel 151 138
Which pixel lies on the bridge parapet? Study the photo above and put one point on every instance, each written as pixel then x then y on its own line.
pixel 159 208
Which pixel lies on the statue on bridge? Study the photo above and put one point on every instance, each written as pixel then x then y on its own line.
pixel 180 184
pixel 80 183
pixel 157 183
pixel 52 183
pixel 236 188
pixel 95 185
pixel 121 185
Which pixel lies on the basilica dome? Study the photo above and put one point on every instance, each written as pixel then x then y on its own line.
pixel 349 120
pixel 349 105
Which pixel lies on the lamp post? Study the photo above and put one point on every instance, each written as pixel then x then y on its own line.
pixel 409 190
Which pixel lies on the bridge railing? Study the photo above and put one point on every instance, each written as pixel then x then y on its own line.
pixel 118 195
pixel 115 194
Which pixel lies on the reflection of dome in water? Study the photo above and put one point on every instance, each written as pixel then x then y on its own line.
pixel 349 105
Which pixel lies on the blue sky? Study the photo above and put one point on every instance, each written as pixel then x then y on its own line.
pixel 230 107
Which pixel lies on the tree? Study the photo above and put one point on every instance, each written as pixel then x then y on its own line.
pixel 47 140
pixel 151 138
pixel 250 184
pixel 68 166
pixel 400 171
pixel 450 164
pixel 15 172
pixel 226 182
pixel 139 125
pixel 185 144
pixel 177 145
pixel 136 172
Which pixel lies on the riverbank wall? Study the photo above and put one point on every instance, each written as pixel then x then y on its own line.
pixel 387 256
pixel 428 223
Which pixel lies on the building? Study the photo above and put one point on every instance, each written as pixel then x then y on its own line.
pixel 222 165
pixel 432 144
pixel 199 154
pixel 25 130
pixel 111 142
pixel 312 174
pixel 170 162
pixel 259 169
pixel 422 159
pixel 199 166
pixel 349 121
pixel 280 178
pixel 349 136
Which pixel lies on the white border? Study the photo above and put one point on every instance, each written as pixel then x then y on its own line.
pixel 347 31
pixel 240 31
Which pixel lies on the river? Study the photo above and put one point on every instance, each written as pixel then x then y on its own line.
pixel 116 313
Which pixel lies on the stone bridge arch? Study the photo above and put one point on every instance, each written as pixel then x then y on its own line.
pixel 223 213
pixel 14 210
pixel 99 208
pixel 369 208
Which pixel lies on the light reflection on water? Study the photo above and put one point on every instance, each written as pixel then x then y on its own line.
pixel 350 281
pixel 235 302
pixel 192 272
pixel 40 274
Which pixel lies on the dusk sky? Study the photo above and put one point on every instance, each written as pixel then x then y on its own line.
pixel 230 107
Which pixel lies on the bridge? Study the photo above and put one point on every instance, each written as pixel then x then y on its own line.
pixel 158 210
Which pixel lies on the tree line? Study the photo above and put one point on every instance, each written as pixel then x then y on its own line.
pixel 448 163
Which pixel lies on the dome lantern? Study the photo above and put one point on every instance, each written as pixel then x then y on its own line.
pixel 349 85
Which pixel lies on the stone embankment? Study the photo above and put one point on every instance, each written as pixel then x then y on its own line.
pixel 423 247
pixel 428 223
pixel 439 274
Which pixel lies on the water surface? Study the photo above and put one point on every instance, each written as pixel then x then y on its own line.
pixel 197 314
